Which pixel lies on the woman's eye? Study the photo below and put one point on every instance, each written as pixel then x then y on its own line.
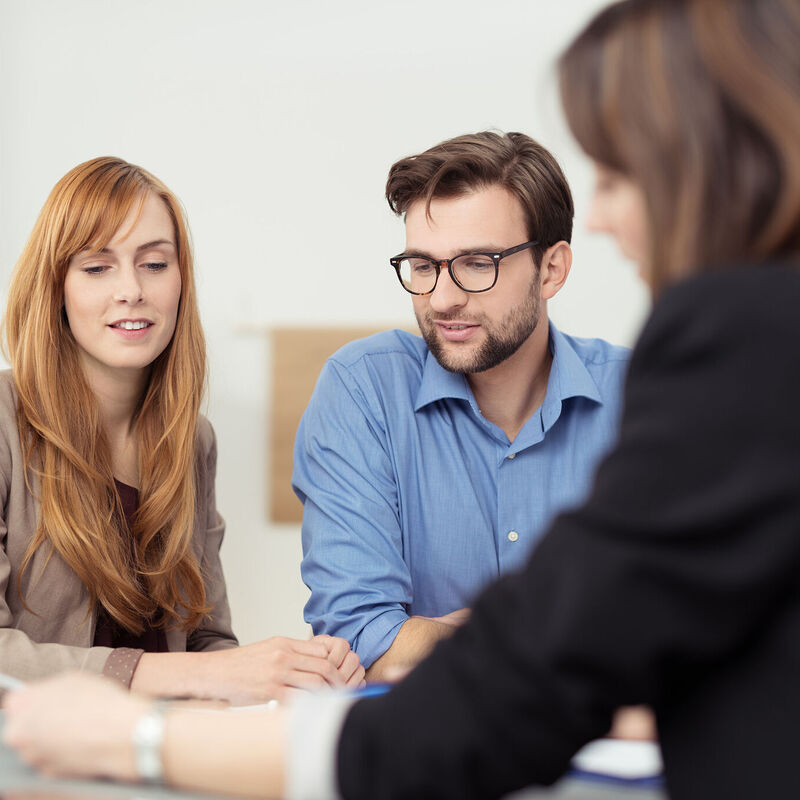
pixel 95 270
pixel 156 266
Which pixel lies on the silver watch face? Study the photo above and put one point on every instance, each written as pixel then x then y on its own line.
pixel 147 739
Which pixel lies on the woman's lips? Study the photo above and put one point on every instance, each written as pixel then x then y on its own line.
pixel 132 333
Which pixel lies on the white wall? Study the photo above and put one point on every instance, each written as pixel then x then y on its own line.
pixel 276 122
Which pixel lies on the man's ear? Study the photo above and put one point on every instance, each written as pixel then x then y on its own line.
pixel 556 264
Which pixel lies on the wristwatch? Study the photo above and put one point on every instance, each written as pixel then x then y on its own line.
pixel 147 738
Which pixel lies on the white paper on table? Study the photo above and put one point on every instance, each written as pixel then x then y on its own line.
pixel 620 758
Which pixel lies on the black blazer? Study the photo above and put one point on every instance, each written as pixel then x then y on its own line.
pixel 677 584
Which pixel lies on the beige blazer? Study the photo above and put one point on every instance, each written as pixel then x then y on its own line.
pixel 57 633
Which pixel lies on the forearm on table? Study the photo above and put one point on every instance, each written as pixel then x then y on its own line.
pixel 173 675
pixel 226 753
pixel 415 639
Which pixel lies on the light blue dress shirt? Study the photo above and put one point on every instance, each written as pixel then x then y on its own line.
pixel 413 501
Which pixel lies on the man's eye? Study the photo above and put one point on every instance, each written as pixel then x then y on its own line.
pixel 421 267
pixel 478 264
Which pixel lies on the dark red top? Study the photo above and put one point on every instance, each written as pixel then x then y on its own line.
pixel 108 633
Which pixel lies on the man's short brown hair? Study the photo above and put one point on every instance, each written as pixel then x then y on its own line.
pixel 479 160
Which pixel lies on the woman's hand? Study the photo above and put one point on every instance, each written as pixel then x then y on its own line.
pixel 271 669
pixel 344 659
pixel 255 673
pixel 74 725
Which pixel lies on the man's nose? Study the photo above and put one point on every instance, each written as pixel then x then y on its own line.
pixel 447 294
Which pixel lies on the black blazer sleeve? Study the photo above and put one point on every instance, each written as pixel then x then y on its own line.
pixel 675 585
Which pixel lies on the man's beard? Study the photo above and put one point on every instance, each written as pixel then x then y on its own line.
pixel 501 340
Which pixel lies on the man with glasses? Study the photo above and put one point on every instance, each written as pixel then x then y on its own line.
pixel 429 466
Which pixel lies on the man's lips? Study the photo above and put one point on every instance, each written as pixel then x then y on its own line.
pixel 456 331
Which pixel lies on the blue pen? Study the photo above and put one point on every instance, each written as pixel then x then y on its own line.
pixel 373 690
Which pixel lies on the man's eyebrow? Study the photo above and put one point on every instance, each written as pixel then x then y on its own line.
pixel 416 254
pixel 481 248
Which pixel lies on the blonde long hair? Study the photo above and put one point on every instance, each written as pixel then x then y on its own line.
pixel 60 430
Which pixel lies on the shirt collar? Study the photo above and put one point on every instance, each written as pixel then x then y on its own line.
pixel 438 384
pixel 568 378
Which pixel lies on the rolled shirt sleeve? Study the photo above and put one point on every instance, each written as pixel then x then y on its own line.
pixel 352 538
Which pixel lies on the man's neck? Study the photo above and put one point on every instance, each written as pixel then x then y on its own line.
pixel 511 392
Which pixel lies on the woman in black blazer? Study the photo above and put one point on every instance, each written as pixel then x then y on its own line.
pixel 677 584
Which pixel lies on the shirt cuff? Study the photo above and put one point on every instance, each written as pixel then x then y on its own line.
pixel 121 665
pixel 378 635
pixel 315 722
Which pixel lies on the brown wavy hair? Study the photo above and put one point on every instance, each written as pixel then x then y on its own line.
pixel 698 101
pixel 478 160
pixel 63 443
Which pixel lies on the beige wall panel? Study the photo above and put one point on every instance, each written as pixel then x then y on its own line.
pixel 298 356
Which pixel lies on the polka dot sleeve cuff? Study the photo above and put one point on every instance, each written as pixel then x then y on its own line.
pixel 121 665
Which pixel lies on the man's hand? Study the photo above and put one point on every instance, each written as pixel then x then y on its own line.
pixel 634 722
pixel 414 640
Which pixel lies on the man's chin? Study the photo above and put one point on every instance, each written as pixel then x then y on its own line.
pixel 454 357
pixel 457 369
pixel 461 358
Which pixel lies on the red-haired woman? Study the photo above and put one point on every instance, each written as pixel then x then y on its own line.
pixel 110 534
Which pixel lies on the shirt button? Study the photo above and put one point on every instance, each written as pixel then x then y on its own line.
pixel 513 536
pixel 512 455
